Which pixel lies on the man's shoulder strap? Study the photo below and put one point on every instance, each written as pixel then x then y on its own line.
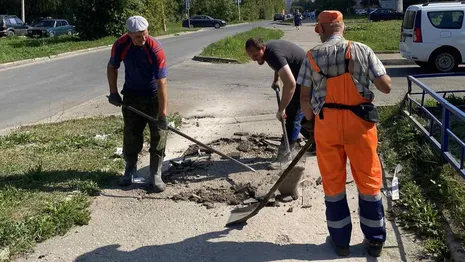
pixel 313 63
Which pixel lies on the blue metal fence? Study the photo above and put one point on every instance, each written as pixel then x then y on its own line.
pixel 447 109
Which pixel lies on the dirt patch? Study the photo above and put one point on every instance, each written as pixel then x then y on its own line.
pixel 204 177
pixel 234 195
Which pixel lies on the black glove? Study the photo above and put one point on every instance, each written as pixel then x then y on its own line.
pixel 162 122
pixel 115 99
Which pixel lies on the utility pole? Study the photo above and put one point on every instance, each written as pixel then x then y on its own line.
pixel 188 6
pixel 23 11
pixel 239 9
pixel 164 18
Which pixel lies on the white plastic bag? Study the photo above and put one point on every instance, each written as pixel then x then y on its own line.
pixel 395 183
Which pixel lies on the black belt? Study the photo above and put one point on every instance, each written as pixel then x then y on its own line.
pixel 366 111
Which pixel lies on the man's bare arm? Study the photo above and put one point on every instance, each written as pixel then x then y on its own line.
pixel 289 84
pixel 305 96
pixel 162 93
pixel 112 75
pixel 383 84
pixel 276 77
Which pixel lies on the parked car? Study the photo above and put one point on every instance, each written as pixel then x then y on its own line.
pixel 361 11
pixel 36 21
pixel 278 17
pixel 51 28
pixel 433 35
pixel 383 14
pixel 11 25
pixel 203 21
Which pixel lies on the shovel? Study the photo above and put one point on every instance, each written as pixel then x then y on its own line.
pixel 189 138
pixel 240 215
pixel 283 125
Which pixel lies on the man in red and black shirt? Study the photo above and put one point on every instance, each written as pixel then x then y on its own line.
pixel 144 89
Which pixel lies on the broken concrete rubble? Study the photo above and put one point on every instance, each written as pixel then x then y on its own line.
pixel 206 178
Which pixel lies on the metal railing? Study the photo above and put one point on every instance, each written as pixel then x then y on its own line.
pixel 444 122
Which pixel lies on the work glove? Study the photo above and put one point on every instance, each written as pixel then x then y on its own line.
pixel 275 86
pixel 281 115
pixel 162 122
pixel 115 99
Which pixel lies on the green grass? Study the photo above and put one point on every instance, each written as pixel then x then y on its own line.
pixel 428 186
pixel 48 174
pixel 380 36
pixel 233 46
pixel 20 48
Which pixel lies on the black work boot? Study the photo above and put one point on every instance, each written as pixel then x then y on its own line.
pixel 312 149
pixel 340 251
pixel 374 247
pixel 129 171
pixel 156 164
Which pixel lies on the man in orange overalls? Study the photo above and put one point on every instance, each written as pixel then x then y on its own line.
pixel 335 79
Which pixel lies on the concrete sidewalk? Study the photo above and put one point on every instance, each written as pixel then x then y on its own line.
pixel 307 39
pixel 130 227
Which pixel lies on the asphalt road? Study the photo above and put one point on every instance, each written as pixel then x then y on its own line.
pixel 37 91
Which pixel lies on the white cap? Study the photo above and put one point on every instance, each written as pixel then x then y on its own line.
pixel 136 24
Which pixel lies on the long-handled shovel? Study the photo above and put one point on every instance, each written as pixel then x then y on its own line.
pixel 240 215
pixel 190 138
pixel 283 125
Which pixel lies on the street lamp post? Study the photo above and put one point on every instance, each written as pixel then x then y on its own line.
pixel 188 7
pixel 23 11
pixel 239 8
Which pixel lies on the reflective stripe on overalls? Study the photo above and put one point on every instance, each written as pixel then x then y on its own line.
pixel 341 134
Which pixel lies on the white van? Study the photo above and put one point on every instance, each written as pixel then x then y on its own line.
pixel 433 35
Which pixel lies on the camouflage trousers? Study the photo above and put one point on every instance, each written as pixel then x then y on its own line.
pixel 134 125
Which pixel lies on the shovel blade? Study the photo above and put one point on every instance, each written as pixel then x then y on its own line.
pixel 240 215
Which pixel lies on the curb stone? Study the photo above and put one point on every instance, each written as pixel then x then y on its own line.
pixel 212 59
pixel 386 52
pixel 397 62
pixel 77 52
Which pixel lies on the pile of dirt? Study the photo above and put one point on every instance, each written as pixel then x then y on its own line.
pixel 204 177
pixel 234 195
pixel 197 162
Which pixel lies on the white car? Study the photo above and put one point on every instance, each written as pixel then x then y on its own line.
pixel 433 35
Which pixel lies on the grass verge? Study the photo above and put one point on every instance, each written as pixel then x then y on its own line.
pixel 20 48
pixel 380 36
pixel 429 188
pixel 233 46
pixel 48 174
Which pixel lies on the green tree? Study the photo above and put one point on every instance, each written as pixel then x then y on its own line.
pixel 100 18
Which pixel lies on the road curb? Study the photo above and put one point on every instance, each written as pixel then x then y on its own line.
pixel 62 55
pixel 212 59
pixel 387 52
pixel 397 62
pixel 245 23
pixel 77 52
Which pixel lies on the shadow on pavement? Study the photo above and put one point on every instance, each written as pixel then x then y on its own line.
pixel 209 247
pixel 394 226
pixel 404 71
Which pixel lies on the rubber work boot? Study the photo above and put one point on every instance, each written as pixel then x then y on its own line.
pixel 340 251
pixel 312 149
pixel 374 247
pixel 156 164
pixel 282 160
pixel 289 187
pixel 129 171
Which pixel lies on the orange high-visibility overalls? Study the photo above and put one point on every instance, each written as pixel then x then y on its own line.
pixel 340 133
